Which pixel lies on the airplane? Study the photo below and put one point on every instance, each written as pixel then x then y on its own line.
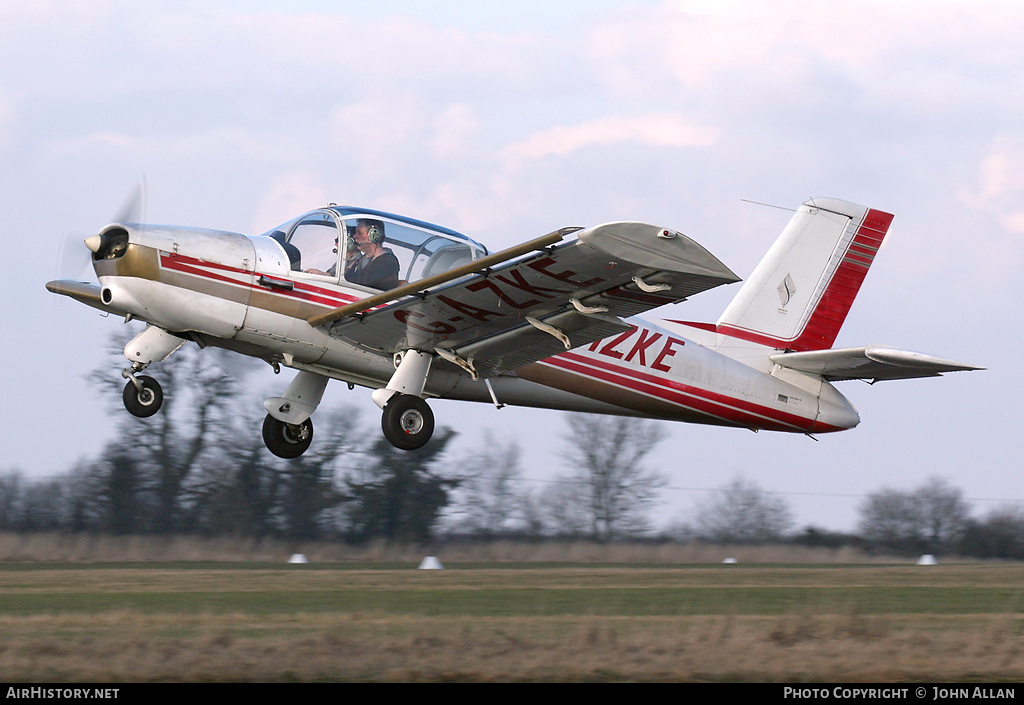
pixel 414 311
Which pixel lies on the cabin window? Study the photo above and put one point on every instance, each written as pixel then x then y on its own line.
pixel 421 253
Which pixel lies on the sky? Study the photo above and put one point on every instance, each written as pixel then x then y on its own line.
pixel 507 120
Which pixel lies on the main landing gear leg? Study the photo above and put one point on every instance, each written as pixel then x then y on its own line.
pixel 407 421
pixel 142 394
pixel 288 430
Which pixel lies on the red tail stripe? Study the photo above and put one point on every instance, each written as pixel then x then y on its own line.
pixel 828 317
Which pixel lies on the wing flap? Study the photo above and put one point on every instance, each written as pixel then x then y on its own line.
pixel 524 344
pixel 577 289
pixel 874 362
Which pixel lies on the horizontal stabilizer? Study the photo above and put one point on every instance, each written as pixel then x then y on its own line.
pixel 874 362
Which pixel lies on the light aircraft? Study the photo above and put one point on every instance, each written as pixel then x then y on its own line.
pixel 416 311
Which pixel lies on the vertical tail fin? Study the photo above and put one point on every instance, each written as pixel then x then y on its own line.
pixel 798 296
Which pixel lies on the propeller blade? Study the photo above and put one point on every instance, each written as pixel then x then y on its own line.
pixel 134 208
pixel 74 260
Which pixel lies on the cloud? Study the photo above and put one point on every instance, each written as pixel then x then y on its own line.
pixel 659 130
pixel 1000 182
pixel 455 129
pixel 1001 172
pixel 8 116
pixel 288 195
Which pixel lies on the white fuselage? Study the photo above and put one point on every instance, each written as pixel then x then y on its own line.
pixel 238 292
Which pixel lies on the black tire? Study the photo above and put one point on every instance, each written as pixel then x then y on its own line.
pixel 407 422
pixel 287 440
pixel 143 402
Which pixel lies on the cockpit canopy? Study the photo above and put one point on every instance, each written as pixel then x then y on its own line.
pixel 324 243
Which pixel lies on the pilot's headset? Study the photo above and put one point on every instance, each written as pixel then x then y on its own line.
pixel 375 231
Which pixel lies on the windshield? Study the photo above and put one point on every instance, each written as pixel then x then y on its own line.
pixel 311 243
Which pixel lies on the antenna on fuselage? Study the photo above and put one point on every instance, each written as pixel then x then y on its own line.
pixel 769 205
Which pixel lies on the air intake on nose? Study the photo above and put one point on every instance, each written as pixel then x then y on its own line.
pixel 109 243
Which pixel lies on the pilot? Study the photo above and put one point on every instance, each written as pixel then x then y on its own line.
pixel 368 262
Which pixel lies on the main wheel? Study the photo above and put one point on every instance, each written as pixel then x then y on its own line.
pixel 407 422
pixel 143 402
pixel 287 440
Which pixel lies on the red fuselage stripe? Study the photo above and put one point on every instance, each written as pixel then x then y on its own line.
pixel 721 406
pixel 302 290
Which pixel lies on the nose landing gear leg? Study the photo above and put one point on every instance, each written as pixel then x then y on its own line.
pixel 142 395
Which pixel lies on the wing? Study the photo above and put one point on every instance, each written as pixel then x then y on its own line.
pixel 84 292
pixel 508 309
pixel 874 362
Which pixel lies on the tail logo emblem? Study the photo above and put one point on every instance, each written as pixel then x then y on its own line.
pixel 786 290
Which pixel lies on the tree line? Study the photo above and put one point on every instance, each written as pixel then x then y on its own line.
pixel 198 468
pixel 933 518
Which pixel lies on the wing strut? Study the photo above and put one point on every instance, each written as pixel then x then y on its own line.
pixel 423 284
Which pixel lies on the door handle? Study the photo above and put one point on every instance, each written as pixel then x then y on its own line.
pixel 274 283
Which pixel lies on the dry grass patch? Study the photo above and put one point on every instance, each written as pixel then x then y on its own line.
pixel 843 648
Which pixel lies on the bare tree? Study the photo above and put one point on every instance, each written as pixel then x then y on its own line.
pixel 887 518
pixel 489 500
pixel 942 512
pixel 561 509
pixel 10 499
pixel 160 455
pixel 932 517
pixel 399 495
pixel 252 492
pixel 742 512
pixel 605 454
pixel 1000 535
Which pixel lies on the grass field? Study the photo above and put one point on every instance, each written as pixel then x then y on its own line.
pixel 509 621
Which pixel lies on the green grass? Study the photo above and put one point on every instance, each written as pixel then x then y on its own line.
pixel 532 601
pixel 509 590
pixel 512 621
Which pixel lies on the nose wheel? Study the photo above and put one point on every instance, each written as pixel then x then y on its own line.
pixel 142 396
pixel 286 440
pixel 407 421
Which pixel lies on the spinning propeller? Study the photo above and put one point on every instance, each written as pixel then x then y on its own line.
pixel 75 262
